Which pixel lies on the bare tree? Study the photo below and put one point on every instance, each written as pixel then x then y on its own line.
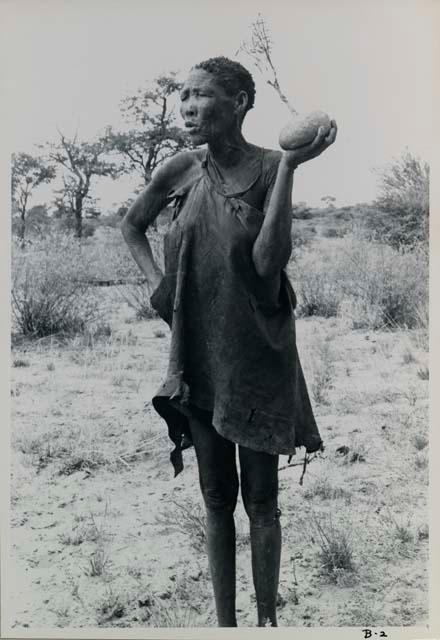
pixel 27 173
pixel 155 135
pixel 81 162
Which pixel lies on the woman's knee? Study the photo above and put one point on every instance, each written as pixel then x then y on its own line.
pixel 262 509
pixel 220 499
pixel 217 468
pixel 259 487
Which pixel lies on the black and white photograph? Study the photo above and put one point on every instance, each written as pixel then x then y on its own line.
pixel 218 241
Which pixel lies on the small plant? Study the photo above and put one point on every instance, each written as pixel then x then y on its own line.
pixel 401 529
pixel 411 395
pixel 111 607
pixel 51 366
pixel 80 533
pixel 98 563
pixel 423 373
pixel 421 461
pixel 323 371
pixel 84 461
pixel 350 455
pixel 403 533
pixel 408 356
pixel 187 519
pixel 336 551
pixel 159 333
pixel 175 613
pixel 117 380
pixel 420 441
pixel 19 362
pixel 324 489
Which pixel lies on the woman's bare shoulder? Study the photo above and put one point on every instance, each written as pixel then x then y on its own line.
pixel 271 160
pixel 177 169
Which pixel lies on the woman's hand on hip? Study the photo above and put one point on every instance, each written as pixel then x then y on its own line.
pixel 293 158
pixel 153 280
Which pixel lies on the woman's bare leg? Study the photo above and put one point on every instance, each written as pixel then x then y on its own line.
pixel 259 486
pixel 219 485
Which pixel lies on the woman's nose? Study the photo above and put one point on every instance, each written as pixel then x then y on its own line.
pixel 189 108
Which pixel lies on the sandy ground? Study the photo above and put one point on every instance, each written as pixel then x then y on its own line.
pixel 103 535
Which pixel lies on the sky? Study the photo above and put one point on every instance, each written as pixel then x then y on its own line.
pixel 368 64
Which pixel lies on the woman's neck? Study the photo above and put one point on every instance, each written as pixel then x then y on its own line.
pixel 229 150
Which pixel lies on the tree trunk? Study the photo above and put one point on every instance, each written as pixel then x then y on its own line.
pixel 22 230
pixel 78 216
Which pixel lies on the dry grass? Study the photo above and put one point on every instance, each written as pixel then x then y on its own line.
pixel 369 285
pixel 87 416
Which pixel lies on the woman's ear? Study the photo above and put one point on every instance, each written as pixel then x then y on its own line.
pixel 241 103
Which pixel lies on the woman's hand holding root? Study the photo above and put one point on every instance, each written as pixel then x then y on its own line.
pixel 292 159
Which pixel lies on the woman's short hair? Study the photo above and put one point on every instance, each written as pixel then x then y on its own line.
pixel 230 75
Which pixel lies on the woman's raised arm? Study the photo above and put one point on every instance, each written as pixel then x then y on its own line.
pixel 273 246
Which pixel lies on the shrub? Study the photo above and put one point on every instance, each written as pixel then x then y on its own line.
pixel 403 201
pixel 371 283
pixel 50 293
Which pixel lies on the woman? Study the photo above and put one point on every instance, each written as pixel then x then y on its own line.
pixel 234 376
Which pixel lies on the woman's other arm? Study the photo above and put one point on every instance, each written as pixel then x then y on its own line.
pixel 273 246
pixel 145 210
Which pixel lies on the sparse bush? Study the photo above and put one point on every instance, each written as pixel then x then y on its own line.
pixel 50 293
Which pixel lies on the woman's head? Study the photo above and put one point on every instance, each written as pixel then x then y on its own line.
pixel 232 76
pixel 215 98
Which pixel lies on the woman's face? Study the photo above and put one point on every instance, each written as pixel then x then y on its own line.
pixel 209 113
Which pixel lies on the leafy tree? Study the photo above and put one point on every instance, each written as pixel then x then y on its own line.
pixel 403 202
pixel 301 211
pixel 329 201
pixel 154 135
pixel 81 162
pixel 27 173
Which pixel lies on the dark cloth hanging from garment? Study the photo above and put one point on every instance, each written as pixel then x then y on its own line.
pixel 233 350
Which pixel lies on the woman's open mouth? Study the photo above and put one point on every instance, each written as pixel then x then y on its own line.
pixel 191 127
